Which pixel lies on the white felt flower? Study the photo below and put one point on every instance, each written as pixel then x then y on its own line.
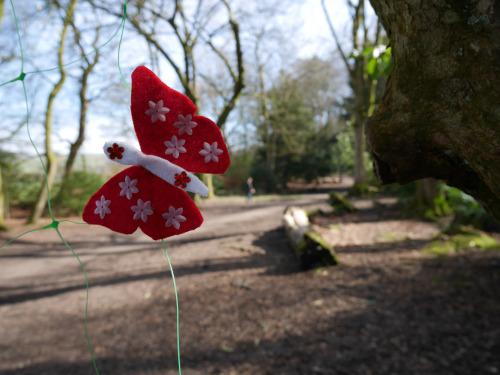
pixel 175 146
pixel 142 210
pixel 174 217
pixel 128 187
pixel 157 111
pixel 185 125
pixel 210 152
pixel 102 207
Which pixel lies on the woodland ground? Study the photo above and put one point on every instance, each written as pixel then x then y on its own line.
pixel 245 307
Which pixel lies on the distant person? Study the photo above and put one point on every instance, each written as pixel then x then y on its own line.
pixel 250 189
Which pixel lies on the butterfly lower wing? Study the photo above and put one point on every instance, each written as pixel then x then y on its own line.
pixel 106 206
pixel 136 198
pixel 166 126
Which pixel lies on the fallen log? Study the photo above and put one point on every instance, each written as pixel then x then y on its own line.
pixel 339 203
pixel 311 249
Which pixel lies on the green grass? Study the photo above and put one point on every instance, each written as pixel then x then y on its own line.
pixel 466 239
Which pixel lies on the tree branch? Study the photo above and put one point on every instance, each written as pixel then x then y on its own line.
pixel 239 82
pixel 334 34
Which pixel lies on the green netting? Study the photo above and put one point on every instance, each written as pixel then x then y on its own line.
pixel 55 223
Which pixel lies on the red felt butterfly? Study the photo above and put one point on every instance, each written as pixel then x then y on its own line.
pixel 151 194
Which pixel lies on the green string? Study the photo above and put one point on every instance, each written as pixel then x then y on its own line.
pixel 95 50
pixel 56 227
pixel 120 44
pixel 176 305
pixel 163 242
pixel 55 224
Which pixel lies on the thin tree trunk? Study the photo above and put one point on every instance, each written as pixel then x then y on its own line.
pixel 2 204
pixel 359 81
pixel 425 194
pixel 51 158
pixel 359 154
pixel 2 197
pixel 84 104
pixel 187 36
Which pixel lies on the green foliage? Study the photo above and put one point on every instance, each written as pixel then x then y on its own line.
pixel 448 201
pixel 234 180
pixel 379 62
pixel 319 158
pixel 78 188
pixel 296 141
pixel 263 179
pixel 293 123
pixel 22 189
pixel 343 152
pixel 462 239
pixel 8 160
pixel 466 209
pixel 362 190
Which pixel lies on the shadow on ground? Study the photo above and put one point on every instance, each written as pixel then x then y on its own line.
pixel 246 312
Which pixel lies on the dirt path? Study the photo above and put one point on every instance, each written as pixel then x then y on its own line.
pixel 245 308
pixel 42 289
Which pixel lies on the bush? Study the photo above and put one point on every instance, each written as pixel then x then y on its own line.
pixel 448 201
pixel 234 180
pixel 23 190
pixel 76 191
pixel 467 211
pixel 263 179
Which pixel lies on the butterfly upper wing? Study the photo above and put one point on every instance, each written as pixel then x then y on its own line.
pixel 166 126
pixel 136 198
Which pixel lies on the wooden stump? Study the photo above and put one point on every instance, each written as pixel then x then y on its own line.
pixel 309 247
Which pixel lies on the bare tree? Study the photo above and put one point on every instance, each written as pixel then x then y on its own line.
pixel 193 27
pixel 51 159
pixel 189 31
pixel 362 85
pixel 90 62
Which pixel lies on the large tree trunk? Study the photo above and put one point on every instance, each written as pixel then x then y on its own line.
pixel 440 113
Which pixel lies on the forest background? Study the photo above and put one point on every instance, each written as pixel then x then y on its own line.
pixel 290 84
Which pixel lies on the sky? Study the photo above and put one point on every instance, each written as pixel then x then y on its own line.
pixel 305 20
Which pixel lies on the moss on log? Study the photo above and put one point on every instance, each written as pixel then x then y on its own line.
pixel 310 248
pixel 460 239
pixel 339 203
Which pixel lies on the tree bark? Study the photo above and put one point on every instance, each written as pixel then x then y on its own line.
pixel 51 158
pixel 440 112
